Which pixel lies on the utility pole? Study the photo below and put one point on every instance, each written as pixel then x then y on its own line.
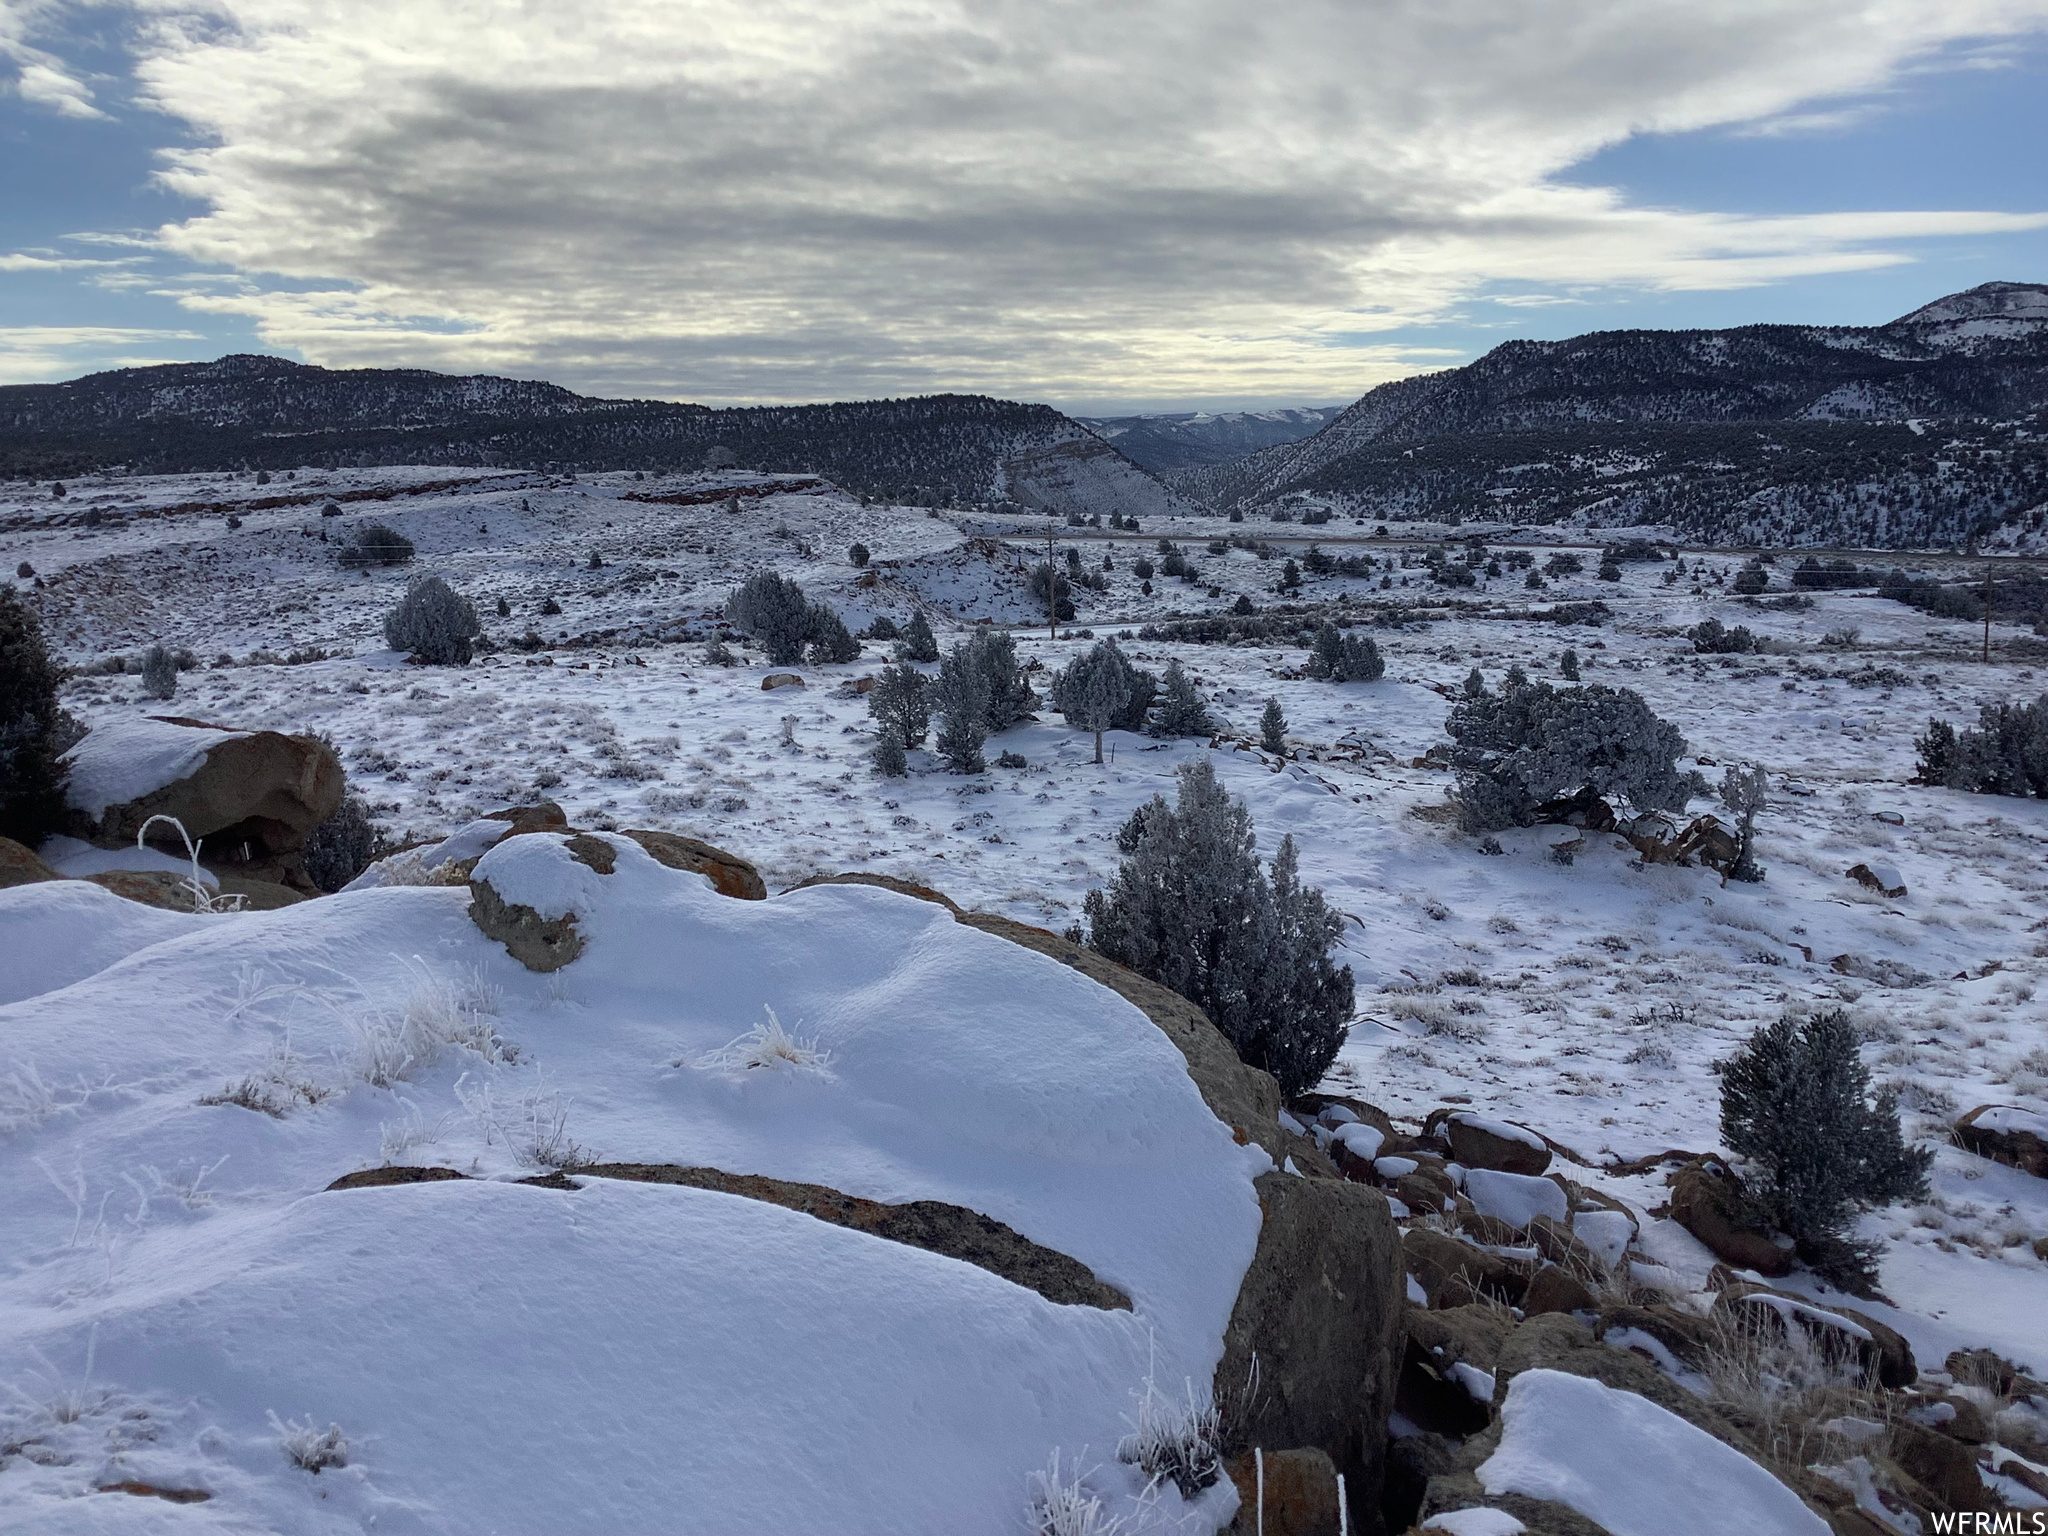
pixel 1052 588
pixel 1987 611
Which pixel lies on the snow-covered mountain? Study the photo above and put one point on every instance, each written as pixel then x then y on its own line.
pixel 268 412
pixel 1763 433
pixel 1182 440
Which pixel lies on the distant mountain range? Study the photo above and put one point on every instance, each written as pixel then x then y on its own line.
pixel 1190 438
pixel 1928 430
pixel 270 413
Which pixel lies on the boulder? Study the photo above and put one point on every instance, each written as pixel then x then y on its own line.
pixel 1881 878
pixel 1472 1334
pixel 1686 1336
pixel 1561 1245
pixel 729 874
pixel 1284 1493
pixel 151 887
pixel 253 797
pixel 1319 1316
pixel 1454 1273
pixel 1946 1468
pixel 258 895
pixel 1877 1350
pixel 1553 1288
pixel 536 942
pixel 1412 1460
pixel 776 680
pixel 20 866
pixel 1710 1203
pixel 887 883
pixel 2006 1134
pixel 1480 1142
pixel 1557 1341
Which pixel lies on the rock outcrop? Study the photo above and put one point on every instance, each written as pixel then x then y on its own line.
pixel 20 866
pixel 1709 1202
pixel 2006 1134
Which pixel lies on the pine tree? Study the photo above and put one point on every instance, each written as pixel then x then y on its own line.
pixel 159 673
pixel 34 731
pixel 900 704
pixel 919 644
pixel 961 695
pixel 1326 652
pixel 775 612
pixel 1273 729
pixel 1183 711
pixel 1010 698
pixel 434 623
pixel 1092 689
pixel 829 639
pixel 1138 708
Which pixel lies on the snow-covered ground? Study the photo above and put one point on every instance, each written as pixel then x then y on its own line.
pixel 1587 1000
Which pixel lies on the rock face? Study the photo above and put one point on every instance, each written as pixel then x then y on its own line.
pixel 730 875
pixel 253 797
pixel 1708 1202
pixel 20 866
pixel 2015 1137
pixel 1285 1493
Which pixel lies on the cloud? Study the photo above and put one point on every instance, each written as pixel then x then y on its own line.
pixel 30 354
pixel 38 75
pixel 784 199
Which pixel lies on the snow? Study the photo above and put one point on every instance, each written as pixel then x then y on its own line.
pixel 75 859
pixel 61 932
pixel 1360 1140
pixel 2007 1119
pixel 1500 1128
pixel 1515 1198
pixel 534 872
pixel 623 1356
pixel 123 759
pixel 1632 1467
pixel 1607 1233
pixel 1478 1521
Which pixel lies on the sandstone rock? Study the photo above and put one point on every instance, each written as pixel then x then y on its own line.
pixel 1553 1288
pixel 1877 1350
pixel 1480 1142
pixel 151 887
pixel 536 942
pixel 258 895
pixel 20 866
pixel 1320 1310
pixel 1708 1201
pixel 2006 1134
pixel 541 816
pixel 382 1178
pixel 1299 1493
pixel 1881 878
pixel 1946 1468
pixel 1559 1244
pixel 1423 1190
pixel 889 883
pixel 254 797
pixel 776 680
pixel 1688 1336
pixel 730 875
pixel 1470 1334
pixel 1453 1273
pixel 1559 1342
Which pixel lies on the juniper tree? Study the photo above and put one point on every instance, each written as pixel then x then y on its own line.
pixel 1051 592
pixel 342 846
pixel 1568 663
pixel 890 760
pixel 2005 753
pixel 1138 708
pixel 961 696
pixel 1182 712
pixel 900 705
pixel 1343 658
pixel 1273 728
pixel 1742 792
pixel 1092 689
pixel 858 554
pixel 828 636
pixel 775 612
pixel 883 628
pixel 34 731
pixel 375 544
pixel 919 644
pixel 159 673
pixel 1191 908
pixel 434 623
pixel 1797 1102
pixel 1010 698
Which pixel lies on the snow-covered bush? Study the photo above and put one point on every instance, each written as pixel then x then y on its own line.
pixel 1182 710
pixel 1093 689
pixel 34 731
pixel 2005 753
pixel 308 1447
pixel 1191 908
pixel 1531 745
pixel 342 846
pixel 159 673
pixel 433 622
pixel 919 644
pixel 375 544
pixel 1710 637
pixel 775 612
pixel 1343 658
pixel 1797 1102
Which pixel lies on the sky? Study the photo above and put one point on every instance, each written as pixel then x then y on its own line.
pixel 1108 205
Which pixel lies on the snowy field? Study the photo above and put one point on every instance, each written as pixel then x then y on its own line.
pixel 1587 1000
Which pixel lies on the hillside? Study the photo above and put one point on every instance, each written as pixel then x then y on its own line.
pixel 1182 440
pixel 1923 431
pixel 270 413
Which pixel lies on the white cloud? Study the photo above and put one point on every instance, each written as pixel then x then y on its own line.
pixel 761 199
pixel 31 354
pixel 38 75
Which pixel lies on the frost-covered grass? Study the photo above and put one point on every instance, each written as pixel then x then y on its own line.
pixel 768 1045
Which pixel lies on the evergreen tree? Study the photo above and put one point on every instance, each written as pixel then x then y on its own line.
pixel 159 673
pixel 1144 689
pixel 961 695
pixel 1273 728
pixel 434 623
pixel 1742 792
pixel 1326 652
pixel 829 639
pixel 919 644
pixel 775 612
pixel 1010 698
pixel 34 731
pixel 1568 664
pixel 890 760
pixel 900 705
pixel 1182 712
pixel 1191 908
pixel 1092 689
pixel 342 846
pixel 858 554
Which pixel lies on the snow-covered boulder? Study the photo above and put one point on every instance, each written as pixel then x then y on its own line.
pixel 1479 1141
pixel 19 865
pixel 1708 1200
pixel 2007 1134
pixel 255 797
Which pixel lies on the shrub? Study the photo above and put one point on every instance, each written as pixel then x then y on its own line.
pixel 1345 658
pixel 1751 580
pixel 1742 792
pixel 883 628
pixel 159 673
pixel 1568 666
pixel 2005 753
pixel 919 644
pixel 1138 708
pixel 1182 712
pixel 829 639
pixel 504 609
pixel 1049 589
pixel 1563 564
pixel 900 706
pixel 1191 908
pixel 34 731
pixel 1010 698
pixel 1797 1102
pixel 891 762
pixel 342 846
pixel 774 611
pixel 434 623
pixel 858 554
pixel 375 544
pixel 550 608
pixel 1609 571
pixel 1093 689
pixel 1273 728
pixel 1531 744
pixel 1710 637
